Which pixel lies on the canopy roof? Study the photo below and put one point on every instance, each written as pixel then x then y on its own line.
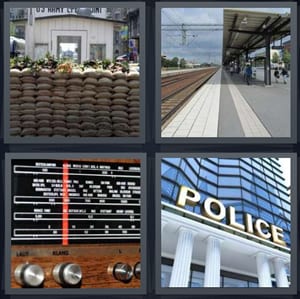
pixel 246 30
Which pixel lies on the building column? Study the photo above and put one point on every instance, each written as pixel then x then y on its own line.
pixel 183 257
pixel 263 270
pixel 162 226
pixel 212 262
pixel 280 273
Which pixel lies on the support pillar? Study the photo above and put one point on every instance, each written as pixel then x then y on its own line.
pixel 263 270
pixel 268 60
pixel 280 273
pixel 183 257
pixel 212 263
pixel 163 224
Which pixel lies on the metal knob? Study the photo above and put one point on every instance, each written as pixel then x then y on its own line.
pixel 67 274
pixel 123 272
pixel 29 275
pixel 137 270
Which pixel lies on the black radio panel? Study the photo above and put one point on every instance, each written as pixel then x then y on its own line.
pixel 75 202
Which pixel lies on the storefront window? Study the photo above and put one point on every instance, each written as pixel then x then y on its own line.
pixel 97 51
pixel 234 283
pixel 197 279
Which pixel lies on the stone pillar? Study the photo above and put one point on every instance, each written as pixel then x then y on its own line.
pixel 280 273
pixel 263 270
pixel 183 257
pixel 212 262
pixel 163 224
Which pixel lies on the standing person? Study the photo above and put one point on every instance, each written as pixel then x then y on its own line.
pixel 231 70
pixel 284 74
pixel 248 73
pixel 276 74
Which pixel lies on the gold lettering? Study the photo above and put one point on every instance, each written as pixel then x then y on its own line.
pixel 187 196
pixel 259 225
pixel 231 219
pixel 214 209
pixel 277 235
pixel 249 223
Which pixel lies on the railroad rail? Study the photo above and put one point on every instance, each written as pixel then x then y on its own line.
pixel 176 90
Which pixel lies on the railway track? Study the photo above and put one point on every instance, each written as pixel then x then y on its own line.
pixel 176 91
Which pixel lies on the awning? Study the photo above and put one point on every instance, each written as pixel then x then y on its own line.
pixel 246 31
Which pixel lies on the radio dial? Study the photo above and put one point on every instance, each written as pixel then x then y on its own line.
pixel 67 274
pixel 137 270
pixel 123 272
pixel 29 275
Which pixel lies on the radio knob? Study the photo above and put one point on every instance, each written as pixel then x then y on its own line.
pixel 137 270
pixel 123 272
pixel 67 274
pixel 29 275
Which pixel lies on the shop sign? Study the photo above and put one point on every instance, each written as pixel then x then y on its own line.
pixel 214 209
pixel 46 12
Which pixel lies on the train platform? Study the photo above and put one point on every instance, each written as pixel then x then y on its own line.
pixel 227 107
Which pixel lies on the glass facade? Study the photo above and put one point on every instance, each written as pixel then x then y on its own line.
pixel 251 185
pixel 196 277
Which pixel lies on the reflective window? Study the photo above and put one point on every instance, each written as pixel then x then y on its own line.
pixel 194 164
pixel 266 216
pixel 251 209
pixel 246 174
pixel 209 176
pixel 234 283
pixel 229 181
pixel 210 165
pixel 260 182
pixel 229 192
pixel 261 192
pixel 286 206
pixel 167 188
pixel 231 162
pixel 263 203
pixel 249 196
pixel 253 284
pixel 197 279
pixel 174 161
pixel 229 170
pixel 182 180
pixel 165 275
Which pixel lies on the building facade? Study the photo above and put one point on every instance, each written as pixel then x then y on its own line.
pixel 224 223
pixel 80 34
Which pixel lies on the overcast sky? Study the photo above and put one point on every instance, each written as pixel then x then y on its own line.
pixel 201 46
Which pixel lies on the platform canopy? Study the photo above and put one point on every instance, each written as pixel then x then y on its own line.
pixel 246 31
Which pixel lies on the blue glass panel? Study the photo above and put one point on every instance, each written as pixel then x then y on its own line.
pixel 249 196
pixel 251 209
pixel 262 192
pixel 171 173
pixel 286 205
pixel 207 175
pixel 246 174
pixel 283 195
pixel 275 199
pixel 266 216
pixel 229 170
pixel 165 275
pixel 280 222
pixel 197 279
pixel 174 161
pixel 229 162
pixel 260 182
pixel 229 192
pixel 229 181
pixel 234 283
pixel 277 210
pixel 167 188
pixel 263 203
pixel 194 164
pixel 182 180
pixel 209 165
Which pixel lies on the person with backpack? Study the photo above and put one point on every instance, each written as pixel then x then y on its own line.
pixel 248 73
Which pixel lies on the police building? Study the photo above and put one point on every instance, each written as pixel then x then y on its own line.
pixel 224 223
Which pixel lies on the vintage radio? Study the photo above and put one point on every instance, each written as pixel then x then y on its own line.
pixel 75 223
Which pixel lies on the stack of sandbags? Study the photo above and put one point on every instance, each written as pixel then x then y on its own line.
pixel 29 125
pixel 133 103
pixel 15 101
pixel 92 103
pixel 43 110
pixel 103 104
pixel 58 104
pixel 119 108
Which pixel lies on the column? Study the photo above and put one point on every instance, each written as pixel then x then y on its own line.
pixel 183 257
pixel 212 263
pixel 280 273
pixel 162 226
pixel 263 270
pixel 268 60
